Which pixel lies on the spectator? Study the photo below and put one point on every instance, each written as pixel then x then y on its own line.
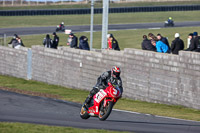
pixel 192 46
pixel 177 44
pixel 146 44
pixel 160 46
pixel 16 42
pixel 13 40
pixel 188 39
pixel 55 40
pixel 83 43
pixel 47 42
pixel 164 40
pixel 152 37
pixel 196 41
pixel 72 41
pixel 112 42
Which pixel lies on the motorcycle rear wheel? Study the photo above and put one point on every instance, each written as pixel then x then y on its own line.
pixel 84 114
pixel 103 115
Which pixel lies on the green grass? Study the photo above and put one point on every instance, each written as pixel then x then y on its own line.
pixel 126 38
pixel 79 96
pixel 6 127
pixel 99 5
pixel 114 18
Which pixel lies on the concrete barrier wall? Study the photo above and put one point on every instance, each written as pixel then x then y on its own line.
pixel 147 76
pixel 13 62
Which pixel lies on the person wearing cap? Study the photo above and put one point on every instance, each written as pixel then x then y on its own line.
pixel 196 41
pixel 72 40
pixel 14 39
pixel 112 42
pixel 177 44
pixel 164 40
pixel 83 43
pixel 55 40
pixel 192 46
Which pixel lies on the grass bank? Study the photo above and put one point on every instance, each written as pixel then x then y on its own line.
pixel 6 127
pixel 114 18
pixel 99 5
pixel 75 95
pixel 126 38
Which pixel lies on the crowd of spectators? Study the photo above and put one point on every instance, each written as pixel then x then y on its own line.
pixel 72 42
pixel 160 44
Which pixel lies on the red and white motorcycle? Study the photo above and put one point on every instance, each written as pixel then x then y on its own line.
pixel 102 103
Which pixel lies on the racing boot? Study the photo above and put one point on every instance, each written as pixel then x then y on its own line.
pixel 87 101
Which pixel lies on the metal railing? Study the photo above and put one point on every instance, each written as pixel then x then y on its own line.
pixel 38 2
pixel 58 2
pixel 98 10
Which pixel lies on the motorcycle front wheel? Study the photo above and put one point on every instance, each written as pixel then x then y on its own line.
pixel 84 114
pixel 105 112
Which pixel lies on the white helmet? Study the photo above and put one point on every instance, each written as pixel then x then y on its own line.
pixel 177 35
pixel 62 23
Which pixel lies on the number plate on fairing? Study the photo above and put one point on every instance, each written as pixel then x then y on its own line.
pixel 100 95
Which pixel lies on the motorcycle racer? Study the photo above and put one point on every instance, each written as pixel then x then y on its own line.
pixel 112 76
pixel 170 20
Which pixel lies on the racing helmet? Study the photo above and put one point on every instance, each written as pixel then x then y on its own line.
pixel 170 18
pixel 62 23
pixel 115 71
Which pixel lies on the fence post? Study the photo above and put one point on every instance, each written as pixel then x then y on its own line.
pixel 29 64
pixel 3 2
pixel 4 39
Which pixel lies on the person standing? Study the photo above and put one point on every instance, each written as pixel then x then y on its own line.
pixel 47 42
pixel 196 41
pixel 192 46
pixel 55 40
pixel 146 44
pixel 112 42
pixel 177 44
pixel 83 43
pixel 72 41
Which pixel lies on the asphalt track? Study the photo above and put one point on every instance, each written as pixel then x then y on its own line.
pixel 86 28
pixel 16 107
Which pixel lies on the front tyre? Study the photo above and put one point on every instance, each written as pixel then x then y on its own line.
pixel 84 114
pixel 105 112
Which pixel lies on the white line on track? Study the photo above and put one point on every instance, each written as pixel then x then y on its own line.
pixel 153 115
pixel 154 28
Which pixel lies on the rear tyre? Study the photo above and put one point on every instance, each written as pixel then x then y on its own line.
pixel 103 114
pixel 84 114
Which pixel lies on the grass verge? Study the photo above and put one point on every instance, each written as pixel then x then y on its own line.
pixel 126 38
pixel 99 5
pixel 6 127
pixel 114 18
pixel 79 96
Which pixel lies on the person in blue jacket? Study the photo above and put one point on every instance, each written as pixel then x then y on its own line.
pixel 160 46
pixel 83 43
